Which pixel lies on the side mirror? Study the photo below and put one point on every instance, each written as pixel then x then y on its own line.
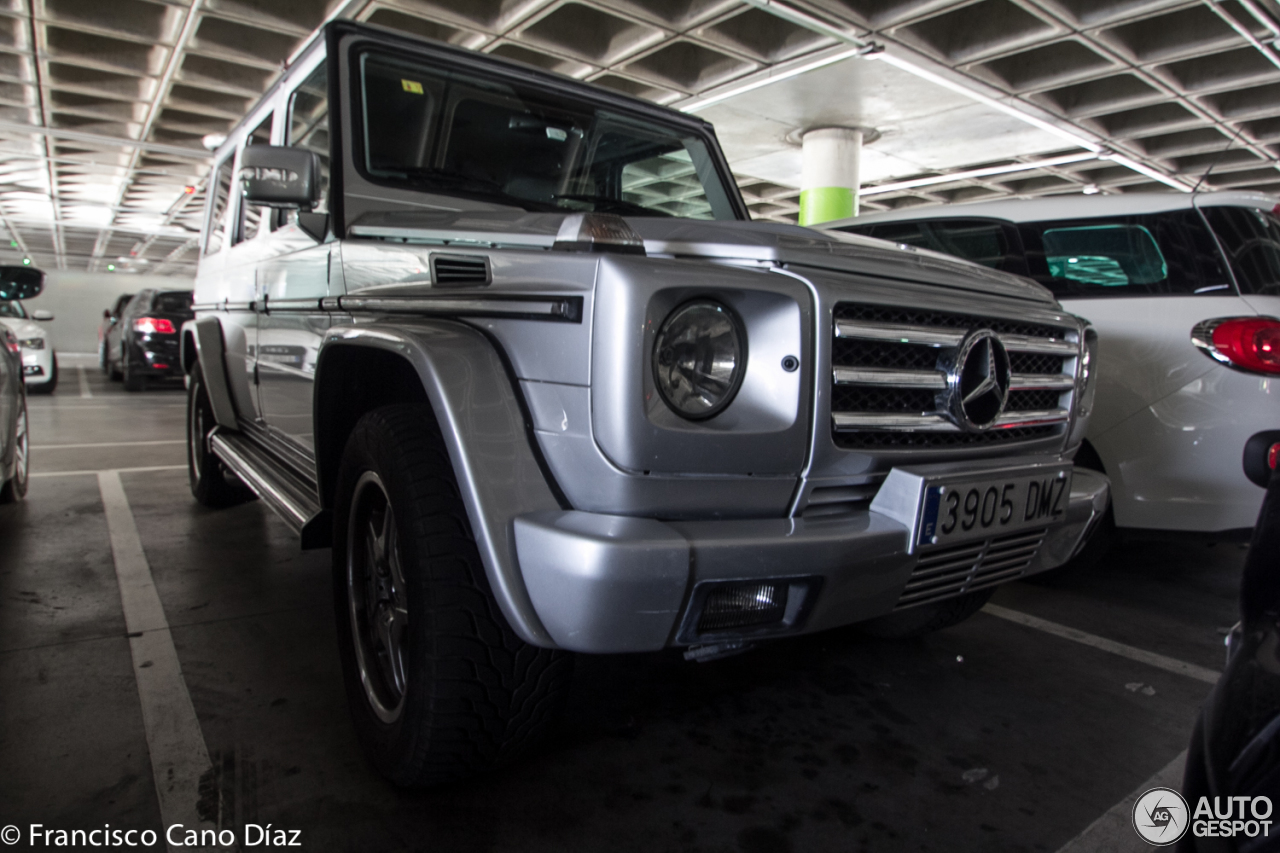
pixel 106 313
pixel 42 315
pixel 20 282
pixel 280 176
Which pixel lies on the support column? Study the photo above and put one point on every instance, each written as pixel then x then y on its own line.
pixel 829 178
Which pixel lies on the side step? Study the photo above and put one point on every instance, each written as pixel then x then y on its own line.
pixel 289 496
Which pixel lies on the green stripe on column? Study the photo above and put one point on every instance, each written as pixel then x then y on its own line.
pixel 823 204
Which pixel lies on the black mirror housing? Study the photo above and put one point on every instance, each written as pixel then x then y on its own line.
pixel 20 282
pixel 280 176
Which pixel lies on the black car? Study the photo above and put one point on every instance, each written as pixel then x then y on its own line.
pixel 143 344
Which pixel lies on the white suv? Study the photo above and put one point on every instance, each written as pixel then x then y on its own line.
pixel 1184 291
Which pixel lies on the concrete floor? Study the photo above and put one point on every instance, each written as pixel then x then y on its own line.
pixel 990 736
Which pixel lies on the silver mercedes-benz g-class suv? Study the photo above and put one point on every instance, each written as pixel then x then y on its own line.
pixel 509 344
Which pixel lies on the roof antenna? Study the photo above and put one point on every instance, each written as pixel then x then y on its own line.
pixel 1217 160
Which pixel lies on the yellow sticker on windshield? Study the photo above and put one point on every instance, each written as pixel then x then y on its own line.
pixel 412 86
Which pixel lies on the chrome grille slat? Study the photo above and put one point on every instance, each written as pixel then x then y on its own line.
pixel 922 422
pixel 1040 382
pixel 1044 416
pixel 1048 346
pixel 899 334
pixel 886 376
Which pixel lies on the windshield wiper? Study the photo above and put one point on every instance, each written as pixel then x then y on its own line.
pixel 604 204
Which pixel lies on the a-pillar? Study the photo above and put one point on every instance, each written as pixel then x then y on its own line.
pixel 829 176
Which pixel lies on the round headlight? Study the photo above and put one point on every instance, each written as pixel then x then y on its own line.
pixel 698 358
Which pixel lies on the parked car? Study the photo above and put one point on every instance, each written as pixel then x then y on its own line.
pixel 39 359
pixel 1184 291
pixel 143 345
pixel 15 283
pixel 515 351
pixel 110 317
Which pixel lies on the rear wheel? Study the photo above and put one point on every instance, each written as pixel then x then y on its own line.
pixel 16 488
pixel 440 686
pixel 132 381
pixel 927 618
pixel 211 483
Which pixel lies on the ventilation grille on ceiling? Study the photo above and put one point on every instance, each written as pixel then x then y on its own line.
pixel 459 270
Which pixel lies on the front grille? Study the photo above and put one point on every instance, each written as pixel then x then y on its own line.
pixel 890 386
pixel 957 569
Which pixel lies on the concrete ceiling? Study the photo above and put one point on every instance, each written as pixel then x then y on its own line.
pixel 103 103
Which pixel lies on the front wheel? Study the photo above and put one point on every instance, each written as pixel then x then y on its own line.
pixel 211 483
pixel 16 488
pixel 440 687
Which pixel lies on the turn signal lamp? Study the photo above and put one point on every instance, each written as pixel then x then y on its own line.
pixel 598 232
pixel 1250 344
pixel 153 326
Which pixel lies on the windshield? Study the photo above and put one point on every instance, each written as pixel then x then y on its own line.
pixel 172 302
pixel 12 309
pixel 457 134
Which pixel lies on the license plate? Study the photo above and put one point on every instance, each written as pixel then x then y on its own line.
pixel 958 510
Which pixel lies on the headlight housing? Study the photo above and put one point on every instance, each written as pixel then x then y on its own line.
pixel 699 357
pixel 32 343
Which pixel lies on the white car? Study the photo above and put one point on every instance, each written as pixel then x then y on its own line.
pixel 1184 292
pixel 39 360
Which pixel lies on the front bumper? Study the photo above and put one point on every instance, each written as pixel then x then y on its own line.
pixel 605 583
pixel 37 365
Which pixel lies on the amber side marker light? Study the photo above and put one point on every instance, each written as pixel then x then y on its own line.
pixel 1250 344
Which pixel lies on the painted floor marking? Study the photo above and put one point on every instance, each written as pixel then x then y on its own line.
pixel 84 383
pixel 106 444
pixel 1190 670
pixel 1114 832
pixel 178 753
pixel 87 471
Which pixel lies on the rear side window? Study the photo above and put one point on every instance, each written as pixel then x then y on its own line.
pixel 1165 254
pixel 1251 239
pixel 172 302
pixel 983 241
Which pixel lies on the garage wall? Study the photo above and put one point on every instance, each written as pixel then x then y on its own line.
pixel 78 298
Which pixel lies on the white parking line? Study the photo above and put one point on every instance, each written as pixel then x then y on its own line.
pixel 87 471
pixel 178 753
pixel 84 382
pixel 1173 665
pixel 106 444
pixel 1114 832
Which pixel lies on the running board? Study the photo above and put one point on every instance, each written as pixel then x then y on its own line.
pixel 288 495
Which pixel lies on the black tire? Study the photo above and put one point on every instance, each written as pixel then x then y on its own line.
pixel 451 690
pixel 15 489
pixel 927 618
pixel 114 371
pixel 211 483
pixel 132 381
pixel 52 384
pixel 102 355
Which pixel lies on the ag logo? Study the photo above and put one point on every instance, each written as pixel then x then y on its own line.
pixel 979 381
pixel 1160 816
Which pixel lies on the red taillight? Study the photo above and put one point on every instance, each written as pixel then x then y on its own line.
pixel 1246 343
pixel 153 326
pixel 1271 456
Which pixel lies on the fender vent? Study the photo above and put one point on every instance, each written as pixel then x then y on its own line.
pixel 459 270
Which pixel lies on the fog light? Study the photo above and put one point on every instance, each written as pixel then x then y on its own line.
pixel 743 605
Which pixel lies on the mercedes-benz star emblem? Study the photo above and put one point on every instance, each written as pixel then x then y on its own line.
pixel 979 381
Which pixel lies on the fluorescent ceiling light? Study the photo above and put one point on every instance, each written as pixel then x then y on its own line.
pixel 978 173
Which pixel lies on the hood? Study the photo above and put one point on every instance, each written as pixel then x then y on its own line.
pixel 24 329
pixel 713 240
